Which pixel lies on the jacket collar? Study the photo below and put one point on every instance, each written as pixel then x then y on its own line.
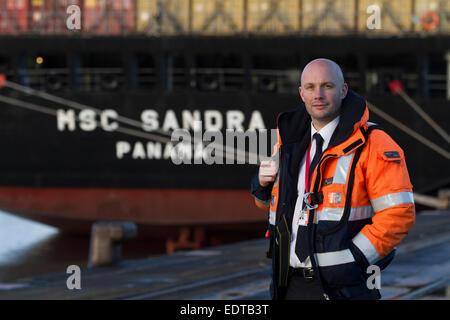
pixel 294 125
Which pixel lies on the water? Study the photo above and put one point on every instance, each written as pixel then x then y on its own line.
pixel 29 249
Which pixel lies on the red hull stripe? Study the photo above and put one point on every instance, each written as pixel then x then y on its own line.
pixel 150 206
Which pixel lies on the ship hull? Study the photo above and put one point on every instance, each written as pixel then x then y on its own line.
pixel 75 209
pixel 76 166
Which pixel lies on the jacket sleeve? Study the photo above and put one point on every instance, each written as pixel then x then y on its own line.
pixel 262 194
pixel 390 193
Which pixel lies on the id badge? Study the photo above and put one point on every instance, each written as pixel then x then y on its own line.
pixel 303 217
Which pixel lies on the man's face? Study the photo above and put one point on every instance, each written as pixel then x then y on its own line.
pixel 322 92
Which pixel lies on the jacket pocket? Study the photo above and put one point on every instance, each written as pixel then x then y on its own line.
pixel 342 275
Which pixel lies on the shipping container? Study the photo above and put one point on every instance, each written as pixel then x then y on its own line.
pixel 217 17
pixel 169 17
pixel 269 16
pixel 49 16
pixel 430 16
pixel 13 16
pixel 395 16
pixel 111 17
pixel 328 17
pixel 228 17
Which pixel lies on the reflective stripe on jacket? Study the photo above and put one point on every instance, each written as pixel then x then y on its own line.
pixel 354 225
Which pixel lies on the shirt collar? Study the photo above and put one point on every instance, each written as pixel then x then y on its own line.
pixel 327 131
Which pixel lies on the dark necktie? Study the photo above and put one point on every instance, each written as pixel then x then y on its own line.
pixel 301 246
pixel 319 143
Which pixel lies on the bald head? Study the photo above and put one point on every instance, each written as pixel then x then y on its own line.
pixel 322 90
pixel 327 65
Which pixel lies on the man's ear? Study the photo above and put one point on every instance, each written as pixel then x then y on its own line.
pixel 300 91
pixel 344 90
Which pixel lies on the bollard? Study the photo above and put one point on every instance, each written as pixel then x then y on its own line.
pixel 444 196
pixel 105 248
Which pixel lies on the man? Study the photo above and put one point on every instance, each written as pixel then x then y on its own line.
pixel 338 191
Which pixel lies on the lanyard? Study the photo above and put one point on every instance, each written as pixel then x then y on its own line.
pixel 302 211
pixel 307 169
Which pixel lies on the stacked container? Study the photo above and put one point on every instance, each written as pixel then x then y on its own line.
pixel 328 17
pixel 227 17
pixel 217 17
pixel 395 16
pixel 430 16
pixel 162 17
pixel 112 17
pixel 273 16
pixel 13 16
pixel 49 16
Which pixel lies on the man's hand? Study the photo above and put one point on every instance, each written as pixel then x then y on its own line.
pixel 267 172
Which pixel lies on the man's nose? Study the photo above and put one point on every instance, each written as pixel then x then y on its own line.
pixel 318 93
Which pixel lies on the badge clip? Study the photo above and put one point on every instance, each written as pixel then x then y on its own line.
pixel 306 200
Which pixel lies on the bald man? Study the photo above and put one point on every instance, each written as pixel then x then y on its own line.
pixel 322 90
pixel 338 193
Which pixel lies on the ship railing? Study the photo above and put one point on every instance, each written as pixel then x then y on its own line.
pixel 287 81
pixel 147 77
pixel 262 80
pixel 377 82
pixel 437 82
pixel 203 79
pixel 222 79
pixel 88 79
pixel 281 81
pixel 213 79
pixel 52 79
pixel 207 79
pixel 101 79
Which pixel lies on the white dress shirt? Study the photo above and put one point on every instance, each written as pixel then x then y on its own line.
pixel 326 133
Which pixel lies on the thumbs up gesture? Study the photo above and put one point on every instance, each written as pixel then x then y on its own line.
pixel 267 172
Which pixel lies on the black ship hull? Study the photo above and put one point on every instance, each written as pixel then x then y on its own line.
pixel 68 167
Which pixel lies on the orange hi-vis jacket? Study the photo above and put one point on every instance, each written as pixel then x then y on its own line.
pixel 361 201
